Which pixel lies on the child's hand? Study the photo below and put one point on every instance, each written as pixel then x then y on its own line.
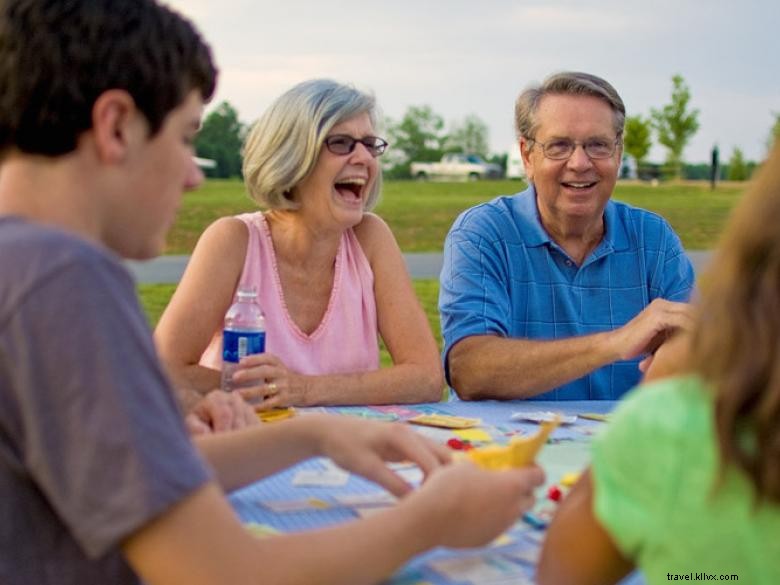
pixel 471 506
pixel 364 447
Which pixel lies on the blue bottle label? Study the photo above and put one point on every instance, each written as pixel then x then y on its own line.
pixel 237 344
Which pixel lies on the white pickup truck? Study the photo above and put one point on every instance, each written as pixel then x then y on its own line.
pixel 456 167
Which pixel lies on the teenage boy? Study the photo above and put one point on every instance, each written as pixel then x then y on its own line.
pixel 99 481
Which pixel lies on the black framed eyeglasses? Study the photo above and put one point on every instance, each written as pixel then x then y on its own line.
pixel 563 148
pixel 344 144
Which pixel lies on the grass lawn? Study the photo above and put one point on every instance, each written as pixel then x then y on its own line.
pixel 421 213
pixel 155 297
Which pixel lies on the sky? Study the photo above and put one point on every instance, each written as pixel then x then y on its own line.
pixel 466 57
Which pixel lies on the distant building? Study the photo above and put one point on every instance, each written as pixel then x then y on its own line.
pixel 514 163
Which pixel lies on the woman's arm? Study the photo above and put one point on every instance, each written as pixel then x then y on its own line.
pixel 403 325
pixel 197 309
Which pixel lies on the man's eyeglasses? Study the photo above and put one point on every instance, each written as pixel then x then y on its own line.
pixel 562 149
pixel 343 144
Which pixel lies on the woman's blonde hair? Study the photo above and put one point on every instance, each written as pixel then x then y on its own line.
pixel 736 344
pixel 284 144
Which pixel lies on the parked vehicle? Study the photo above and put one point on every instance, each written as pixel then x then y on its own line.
pixel 205 163
pixel 456 167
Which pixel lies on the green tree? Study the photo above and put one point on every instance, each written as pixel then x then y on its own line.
pixel 701 171
pixel 774 134
pixel 676 124
pixel 738 169
pixel 638 138
pixel 220 139
pixel 417 136
pixel 469 136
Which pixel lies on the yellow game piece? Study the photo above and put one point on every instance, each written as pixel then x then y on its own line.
pixel 594 416
pixel 569 479
pixel 520 451
pixel 491 456
pixel 275 414
pixel 473 435
pixel 445 421
pixel 502 540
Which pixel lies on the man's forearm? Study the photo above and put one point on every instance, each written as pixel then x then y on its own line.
pixel 488 366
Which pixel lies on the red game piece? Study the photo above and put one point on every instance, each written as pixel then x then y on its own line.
pixel 554 493
pixel 455 444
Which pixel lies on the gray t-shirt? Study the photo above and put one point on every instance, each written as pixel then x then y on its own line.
pixel 92 443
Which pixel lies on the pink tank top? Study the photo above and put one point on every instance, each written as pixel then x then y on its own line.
pixel 345 341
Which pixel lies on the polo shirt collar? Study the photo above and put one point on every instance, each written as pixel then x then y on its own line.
pixel 615 234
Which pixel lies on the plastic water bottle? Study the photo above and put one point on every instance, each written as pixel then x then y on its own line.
pixel 244 334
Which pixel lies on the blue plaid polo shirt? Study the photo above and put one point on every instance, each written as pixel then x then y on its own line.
pixel 503 275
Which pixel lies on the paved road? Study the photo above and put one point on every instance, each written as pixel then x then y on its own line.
pixel 168 269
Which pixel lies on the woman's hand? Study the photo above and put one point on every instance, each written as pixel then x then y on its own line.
pixel 268 383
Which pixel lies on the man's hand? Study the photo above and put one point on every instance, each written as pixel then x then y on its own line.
pixel 220 411
pixel 650 328
pixel 364 447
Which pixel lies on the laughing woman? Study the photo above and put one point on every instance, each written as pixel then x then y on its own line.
pixel 329 274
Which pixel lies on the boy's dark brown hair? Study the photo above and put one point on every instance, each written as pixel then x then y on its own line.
pixel 58 56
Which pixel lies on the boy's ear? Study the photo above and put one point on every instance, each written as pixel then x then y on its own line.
pixel 115 124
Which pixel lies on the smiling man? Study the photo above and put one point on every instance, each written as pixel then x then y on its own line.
pixel 558 292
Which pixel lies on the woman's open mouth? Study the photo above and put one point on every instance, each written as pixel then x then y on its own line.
pixel 351 189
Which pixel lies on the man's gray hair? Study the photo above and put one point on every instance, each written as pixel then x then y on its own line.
pixel 283 146
pixel 566 83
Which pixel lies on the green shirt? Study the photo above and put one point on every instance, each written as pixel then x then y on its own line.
pixel 654 473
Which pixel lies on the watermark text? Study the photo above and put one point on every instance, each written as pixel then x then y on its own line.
pixel 700 577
